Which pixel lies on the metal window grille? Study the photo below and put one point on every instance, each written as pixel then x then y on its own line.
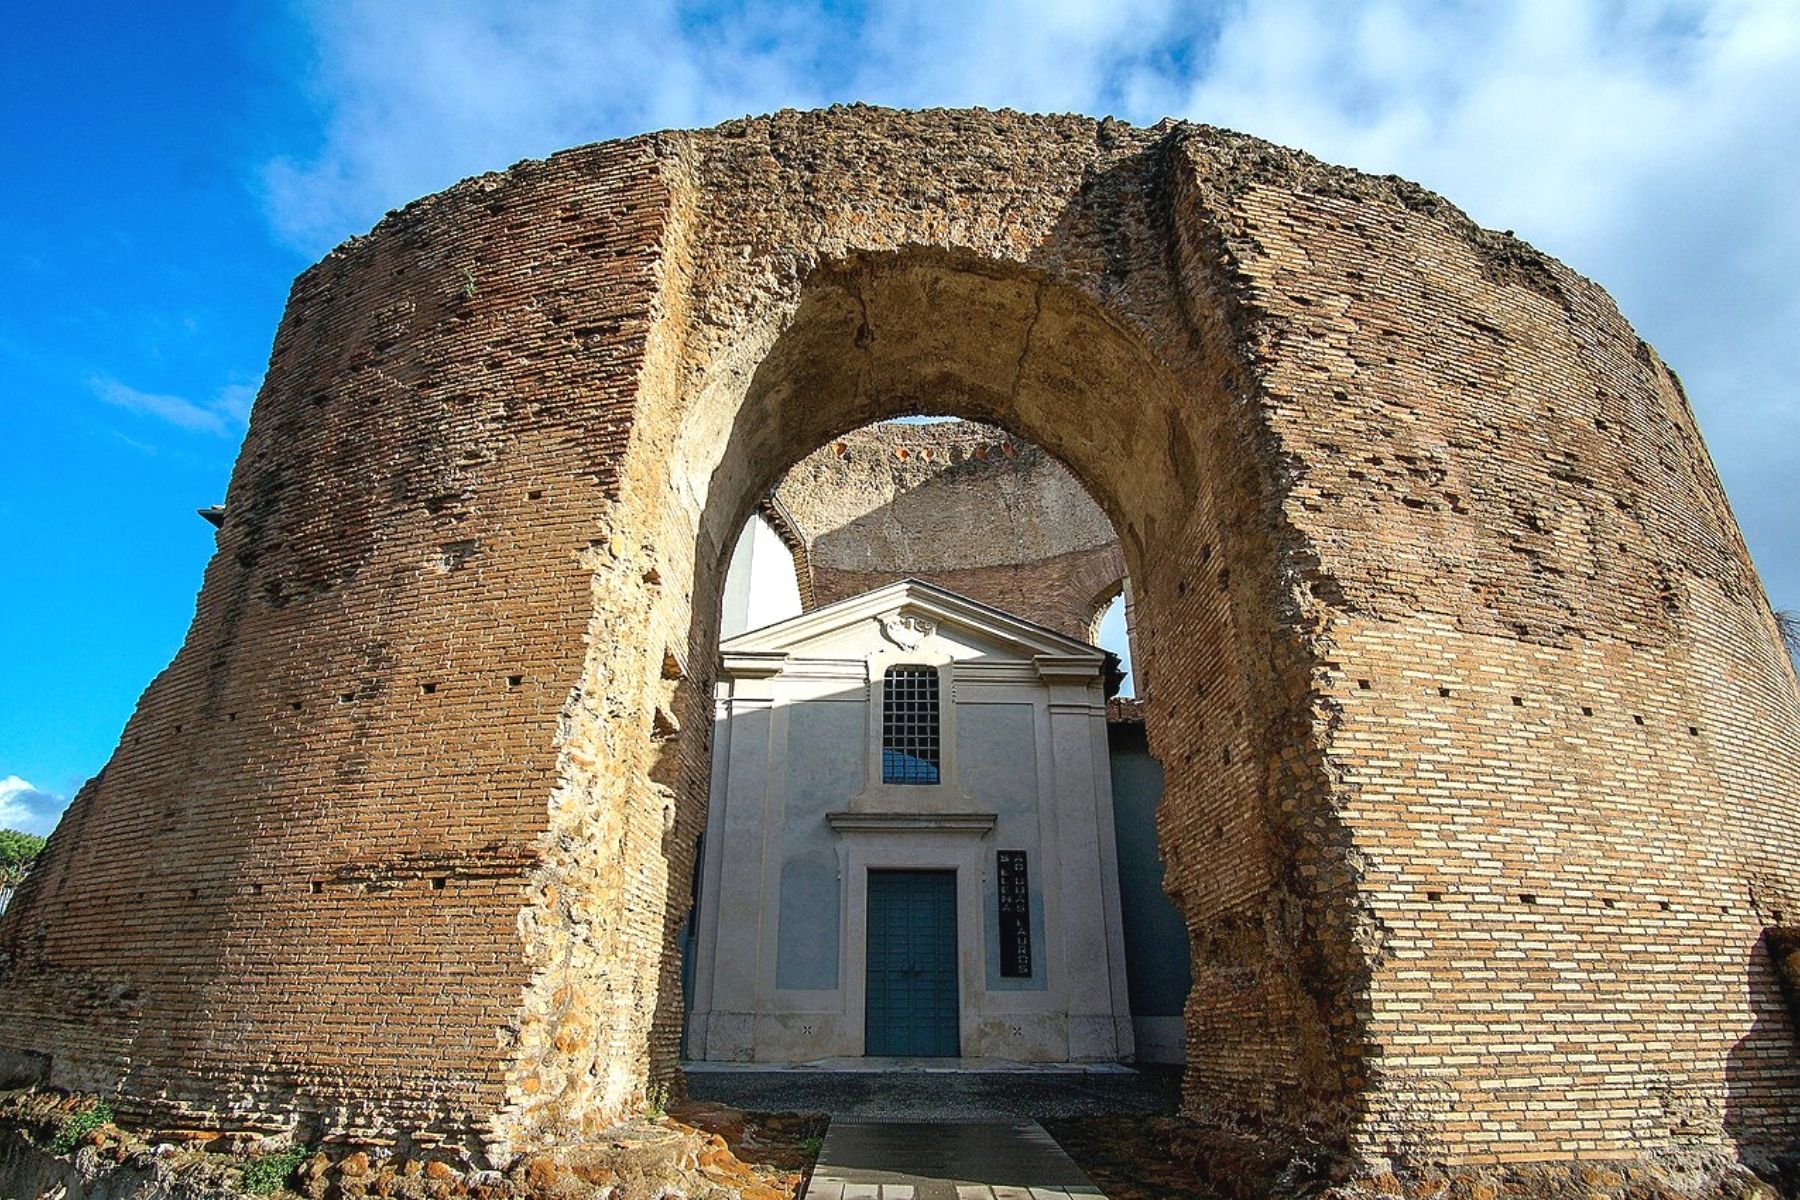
pixel 909 725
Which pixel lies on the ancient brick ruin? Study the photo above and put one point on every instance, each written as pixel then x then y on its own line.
pixel 958 504
pixel 1482 751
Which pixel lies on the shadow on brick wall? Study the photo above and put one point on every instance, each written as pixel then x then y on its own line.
pixel 1762 1073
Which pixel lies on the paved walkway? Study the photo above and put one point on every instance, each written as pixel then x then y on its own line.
pixel 934 1089
pixel 887 1065
pixel 934 1160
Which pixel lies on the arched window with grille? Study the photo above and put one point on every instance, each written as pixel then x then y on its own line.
pixel 911 751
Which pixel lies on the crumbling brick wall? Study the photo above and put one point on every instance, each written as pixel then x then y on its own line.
pixel 293 895
pixel 963 505
pixel 1481 749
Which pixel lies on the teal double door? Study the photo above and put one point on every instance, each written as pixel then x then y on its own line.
pixel 911 993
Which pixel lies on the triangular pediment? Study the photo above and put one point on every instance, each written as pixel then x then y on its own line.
pixel 897 613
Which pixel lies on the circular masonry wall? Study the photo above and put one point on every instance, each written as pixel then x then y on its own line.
pixel 1483 756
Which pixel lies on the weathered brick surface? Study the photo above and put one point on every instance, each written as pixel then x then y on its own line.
pixel 959 504
pixel 1482 755
pixel 295 889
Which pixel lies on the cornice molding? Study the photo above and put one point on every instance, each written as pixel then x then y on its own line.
pixel 753 664
pixel 912 822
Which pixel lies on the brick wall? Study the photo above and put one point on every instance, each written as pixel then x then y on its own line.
pixel 1479 742
pixel 293 894
pixel 959 504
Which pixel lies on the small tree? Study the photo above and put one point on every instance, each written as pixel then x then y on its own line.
pixel 1788 621
pixel 18 850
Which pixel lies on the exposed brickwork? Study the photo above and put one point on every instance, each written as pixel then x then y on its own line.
pixel 1375 473
pixel 295 889
pixel 960 504
pixel 1125 710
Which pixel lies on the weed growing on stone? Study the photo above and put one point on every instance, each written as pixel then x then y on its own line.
pixel 272 1172
pixel 79 1124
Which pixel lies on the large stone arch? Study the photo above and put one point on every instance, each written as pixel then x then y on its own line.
pixel 1477 727
pixel 889 334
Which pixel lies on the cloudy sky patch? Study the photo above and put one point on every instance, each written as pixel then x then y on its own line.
pixel 226 411
pixel 25 807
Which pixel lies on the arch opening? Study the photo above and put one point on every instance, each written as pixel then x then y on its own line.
pixel 997 523
pixel 1112 632
pixel 1270 1022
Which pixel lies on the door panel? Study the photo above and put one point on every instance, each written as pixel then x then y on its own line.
pixel 911 979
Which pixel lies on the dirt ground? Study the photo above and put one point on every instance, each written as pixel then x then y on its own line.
pixel 1128 1157
pixel 776 1150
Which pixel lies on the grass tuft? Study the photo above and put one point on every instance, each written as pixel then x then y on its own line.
pixel 79 1124
pixel 272 1172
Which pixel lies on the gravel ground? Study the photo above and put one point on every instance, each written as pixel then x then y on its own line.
pixel 915 1095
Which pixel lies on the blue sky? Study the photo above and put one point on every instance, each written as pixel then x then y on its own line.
pixel 172 167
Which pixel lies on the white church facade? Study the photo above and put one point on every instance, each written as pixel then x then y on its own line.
pixel 910 845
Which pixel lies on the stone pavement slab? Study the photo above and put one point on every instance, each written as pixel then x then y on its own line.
pixel 876 1064
pixel 939 1160
pixel 934 1089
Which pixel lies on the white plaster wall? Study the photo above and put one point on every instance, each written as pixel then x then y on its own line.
pixel 760 585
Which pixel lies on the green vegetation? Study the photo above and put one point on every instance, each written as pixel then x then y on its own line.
pixel 79 1124
pixel 656 1105
pixel 812 1145
pixel 17 851
pixel 272 1172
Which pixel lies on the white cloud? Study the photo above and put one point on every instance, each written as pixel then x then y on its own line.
pixel 1055 56
pixel 226 412
pixel 416 96
pixel 1653 145
pixel 233 401
pixel 23 806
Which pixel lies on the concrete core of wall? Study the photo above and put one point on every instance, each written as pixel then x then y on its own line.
pixel 957 503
